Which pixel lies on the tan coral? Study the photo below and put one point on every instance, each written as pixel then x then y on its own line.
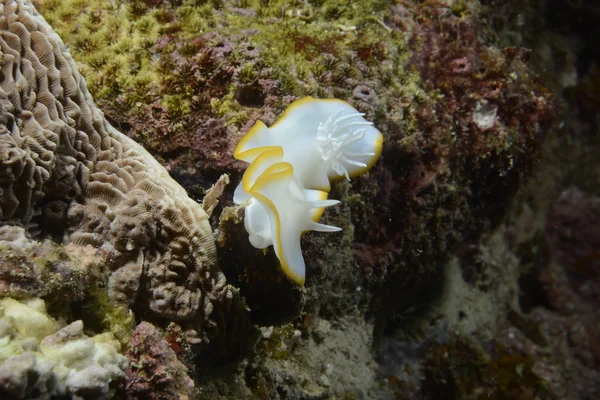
pixel 63 164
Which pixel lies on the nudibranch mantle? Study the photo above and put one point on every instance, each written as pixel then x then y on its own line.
pixel 324 139
pixel 285 188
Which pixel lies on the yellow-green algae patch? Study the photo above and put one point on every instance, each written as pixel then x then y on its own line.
pixel 122 49
pixel 69 279
pixel 103 314
pixel 111 45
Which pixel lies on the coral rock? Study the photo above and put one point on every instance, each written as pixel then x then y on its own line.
pixel 37 361
pixel 155 372
pixel 64 165
pixel 31 268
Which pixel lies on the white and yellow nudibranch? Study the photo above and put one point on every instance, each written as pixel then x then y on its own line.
pixel 291 165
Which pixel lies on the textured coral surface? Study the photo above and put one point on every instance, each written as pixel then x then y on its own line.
pixel 68 173
pixel 155 372
pixel 450 279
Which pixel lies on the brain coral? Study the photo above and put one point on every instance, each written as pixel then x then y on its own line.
pixel 66 172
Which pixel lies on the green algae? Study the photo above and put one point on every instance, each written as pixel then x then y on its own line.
pixel 68 278
pixel 118 49
pixel 102 314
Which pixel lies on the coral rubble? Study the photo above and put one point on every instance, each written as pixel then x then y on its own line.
pixel 39 360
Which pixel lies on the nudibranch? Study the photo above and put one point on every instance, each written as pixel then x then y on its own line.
pixel 323 140
pixel 285 188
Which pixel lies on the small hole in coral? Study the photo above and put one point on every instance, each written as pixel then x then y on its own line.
pixel 250 96
pixel 533 293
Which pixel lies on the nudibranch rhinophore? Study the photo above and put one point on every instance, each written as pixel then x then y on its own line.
pixel 291 166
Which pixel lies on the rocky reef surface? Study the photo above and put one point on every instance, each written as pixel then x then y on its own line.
pixel 39 360
pixel 466 262
pixel 462 122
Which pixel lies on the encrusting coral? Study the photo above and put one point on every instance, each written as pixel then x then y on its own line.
pixel 67 172
pixel 292 162
pixel 40 361
pixel 29 268
pixel 155 372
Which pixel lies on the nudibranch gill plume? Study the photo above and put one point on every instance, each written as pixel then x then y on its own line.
pixel 286 186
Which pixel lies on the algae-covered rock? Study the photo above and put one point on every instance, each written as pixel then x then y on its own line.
pixel 31 268
pixel 70 278
pixel 462 120
pixel 155 372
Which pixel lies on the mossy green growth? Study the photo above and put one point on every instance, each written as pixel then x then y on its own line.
pixel 112 45
pixel 101 314
pixel 128 52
